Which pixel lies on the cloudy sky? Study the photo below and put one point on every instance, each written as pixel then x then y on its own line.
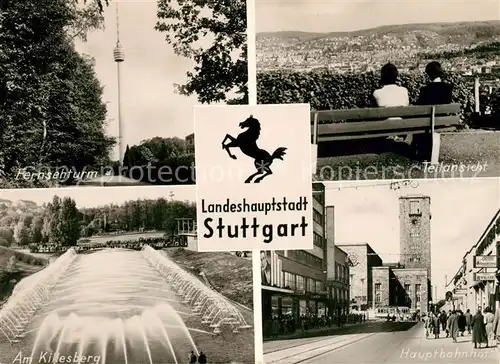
pixel 99 196
pixel 461 211
pixel 349 15
pixel 149 105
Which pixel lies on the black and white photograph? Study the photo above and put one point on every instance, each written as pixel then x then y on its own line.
pixel 115 276
pixel 398 89
pixel 101 92
pixel 401 272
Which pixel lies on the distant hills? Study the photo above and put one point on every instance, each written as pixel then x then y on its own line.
pixel 465 33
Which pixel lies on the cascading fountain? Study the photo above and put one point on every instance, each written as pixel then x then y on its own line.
pixel 29 295
pixel 112 305
pixel 215 310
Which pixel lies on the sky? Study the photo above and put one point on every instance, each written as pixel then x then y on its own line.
pixel 348 15
pixel 461 210
pixel 150 107
pixel 99 196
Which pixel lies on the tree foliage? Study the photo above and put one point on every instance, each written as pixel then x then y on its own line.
pixel 155 150
pixel 62 223
pixel 52 113
pixel 221 66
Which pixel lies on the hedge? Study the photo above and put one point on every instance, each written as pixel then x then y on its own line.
pixel 327 90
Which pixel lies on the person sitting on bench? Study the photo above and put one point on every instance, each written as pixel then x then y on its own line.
pixel 436 92
pixel 390 94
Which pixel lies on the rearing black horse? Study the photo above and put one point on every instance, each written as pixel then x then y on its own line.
pixel 247 142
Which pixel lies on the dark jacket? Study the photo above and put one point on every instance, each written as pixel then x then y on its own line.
pixel 435 93
pixel 478 329
pixel 462 322
pixel 202 359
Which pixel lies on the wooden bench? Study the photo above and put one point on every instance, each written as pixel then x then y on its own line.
pixel 355 124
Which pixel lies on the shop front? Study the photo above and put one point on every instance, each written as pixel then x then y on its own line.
pixel 284 311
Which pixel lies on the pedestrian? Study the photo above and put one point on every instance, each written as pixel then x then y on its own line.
pixel 479 330
pixel 468 319
pixel 436 325
pixel 489 318
pixel 453 326
pixel 443 318
pixel 202 359
pixel 427 324
pixel 462 322
pixel 496 326
pixel 192 358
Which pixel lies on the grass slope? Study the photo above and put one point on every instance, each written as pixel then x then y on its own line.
pixel 230 275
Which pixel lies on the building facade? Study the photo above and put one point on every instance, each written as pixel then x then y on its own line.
pixel 296 282
pixel 189 143
pixel 406 284
pixel 466 291
pixel 415 235
pixel 187 232
pixel 362 258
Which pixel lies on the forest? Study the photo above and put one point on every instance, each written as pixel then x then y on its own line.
pixel 62 223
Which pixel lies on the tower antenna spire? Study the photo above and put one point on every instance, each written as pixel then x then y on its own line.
pixel 117 23
pixel 119 57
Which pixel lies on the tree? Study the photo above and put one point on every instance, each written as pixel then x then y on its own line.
pixel 50 227
pixel 36 229
pixel 221 66
pixel 21 233
pixel 126 158
pixel 52 112
pixel 4 242
pixel 68 223
pixel 7 235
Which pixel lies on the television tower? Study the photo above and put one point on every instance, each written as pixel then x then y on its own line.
pixel 119 57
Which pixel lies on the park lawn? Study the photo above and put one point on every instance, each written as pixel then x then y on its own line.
pixel 230 275
pixel 468 148
pixel 26 264
pixel 22 258
pixel 133 236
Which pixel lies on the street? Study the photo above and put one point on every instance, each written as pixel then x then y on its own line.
pixel 378 342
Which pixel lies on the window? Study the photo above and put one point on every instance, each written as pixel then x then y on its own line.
pixel 378 286
pixel 317 217
pixel 300 283
pixel 319 286
pixel 311 285
pixel 415 207
pixel 414 231
pixel 306 258
pixel 408 292
pixel 318 240
pixel 417 292
pixel 290 280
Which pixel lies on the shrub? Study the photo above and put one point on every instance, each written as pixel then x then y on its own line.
pixel 327 90
pixel 4 242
